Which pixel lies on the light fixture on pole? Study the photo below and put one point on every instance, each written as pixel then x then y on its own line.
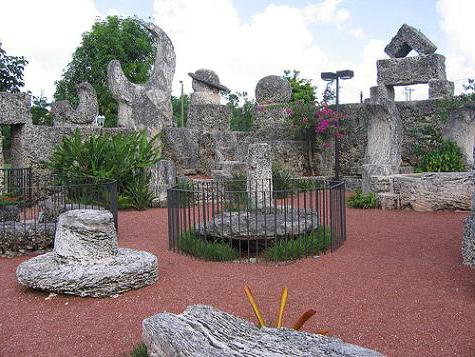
pixel 330 77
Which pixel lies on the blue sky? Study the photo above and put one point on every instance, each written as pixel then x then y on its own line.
pixel 245 40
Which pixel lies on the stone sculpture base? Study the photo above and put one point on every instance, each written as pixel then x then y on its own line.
pixel 86 260
pixel 129 269
pixel 205 331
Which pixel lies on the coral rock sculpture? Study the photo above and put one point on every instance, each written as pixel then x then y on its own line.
pixel 85 113
pixel 147 105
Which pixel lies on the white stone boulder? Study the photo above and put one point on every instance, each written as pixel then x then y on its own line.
pixel 205 331
pixel 86 260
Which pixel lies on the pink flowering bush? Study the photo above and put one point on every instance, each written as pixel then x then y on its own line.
pixel 316 124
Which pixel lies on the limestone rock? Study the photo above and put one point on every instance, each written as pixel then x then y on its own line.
pixel 273 223
pixel 411 70
pixel 468 241
pixel 163 177
pixel 408 38
pixel 85 113
pixel 205 331
pixel 148 105
pixel 259 174
pixel 460 128
pixel 435 191
pixel 439 88
pixel 206 87
pixel 209 117
pixel 273 89
pixel 381 92
pixel 86 260
pixel 388 201
pixel 180 145
pixel 15 108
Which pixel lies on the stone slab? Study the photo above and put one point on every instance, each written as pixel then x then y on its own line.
pixel 408 38
pixel 205 331
pixel 439 88
pixel 411 70
pixel 208 117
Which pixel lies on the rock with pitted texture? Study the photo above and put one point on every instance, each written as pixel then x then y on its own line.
pixel 85 113
pixel 148 105
pixel 408 38
pixel 86 260
pixel 259 174
pixel 205 331
pixel 273 89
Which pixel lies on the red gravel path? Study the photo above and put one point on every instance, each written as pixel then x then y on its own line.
pixel 396 286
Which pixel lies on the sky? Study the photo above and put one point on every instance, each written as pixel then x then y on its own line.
pixel 245 40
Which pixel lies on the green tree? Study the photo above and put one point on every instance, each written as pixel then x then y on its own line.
pixel 242 115
pixel 302 89
pixel 11 71
pixel 40 113
pixel 123 39
pixel 176 105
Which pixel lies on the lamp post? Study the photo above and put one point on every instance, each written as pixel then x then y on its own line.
pixel 330 77
pixel 182 106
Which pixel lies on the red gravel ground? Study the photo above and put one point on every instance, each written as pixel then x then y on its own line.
pixel 397 286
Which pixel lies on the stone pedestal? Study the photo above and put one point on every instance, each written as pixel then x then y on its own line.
pixel 163 177
pixel 259 175
pixel 86 260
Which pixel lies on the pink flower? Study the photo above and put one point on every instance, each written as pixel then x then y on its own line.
pixel 322 126
pixel 305 120
pixel 326 145
pixel 289 111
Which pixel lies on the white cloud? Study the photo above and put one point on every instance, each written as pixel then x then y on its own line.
pixel 211 34
pixel 46 32
pixel 456 21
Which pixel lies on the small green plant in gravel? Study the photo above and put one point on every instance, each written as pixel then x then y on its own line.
pixel 139 351
pixel 362 200
pixel 305 245
pixel 190 243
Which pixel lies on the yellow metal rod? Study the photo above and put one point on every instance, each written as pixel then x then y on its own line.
pixel 283 303
pixel 252 301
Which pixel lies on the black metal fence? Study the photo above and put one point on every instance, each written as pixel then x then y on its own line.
pixel 30 205
pixel 272 220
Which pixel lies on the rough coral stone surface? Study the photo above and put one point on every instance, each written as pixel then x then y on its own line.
pixel 273 89
pixel 460 127
pixel 411 70
pixel 440 88
pixel 208 117
pixel 408 38
pixel 468 241
pixel 205 331
pixel 163 177
pixel 86 260
pixel 259 174
pixel 147 105
pixel 26 236
pixel 85 113
pixel 15 108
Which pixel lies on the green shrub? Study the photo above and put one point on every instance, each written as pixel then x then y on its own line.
pixel 137 193
pixel 447 157
pixel 125 157
pixel 306 244
pixel 190 243
pixel 361 200
pixel 282 181
pixel 139 351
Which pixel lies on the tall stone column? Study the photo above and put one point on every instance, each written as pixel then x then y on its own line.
pixel 259 175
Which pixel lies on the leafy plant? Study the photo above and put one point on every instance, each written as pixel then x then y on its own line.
pixel 447 157
pixel 302 89
pixel 282 181
pixel 11 71
pixel 138 194
pixel 241 114
pixel 192 244
pixel 360 200
pixel 125 157
pixel 306 244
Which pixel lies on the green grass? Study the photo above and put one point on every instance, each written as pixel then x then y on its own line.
pixel 306 244
pixel 361 200
pixel 139 351
pixel 193 245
